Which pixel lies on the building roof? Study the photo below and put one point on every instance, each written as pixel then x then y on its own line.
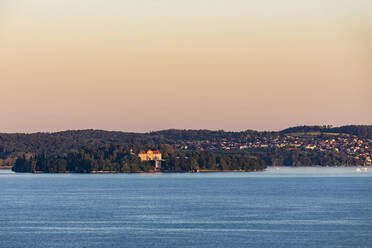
pixel 150 151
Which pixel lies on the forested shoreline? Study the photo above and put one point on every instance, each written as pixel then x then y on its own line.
pixel 115 158
pixel 186 150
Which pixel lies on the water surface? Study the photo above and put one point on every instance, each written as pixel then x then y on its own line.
pixel 286 207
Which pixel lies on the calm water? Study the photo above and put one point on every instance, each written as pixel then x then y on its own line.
pixel 290 207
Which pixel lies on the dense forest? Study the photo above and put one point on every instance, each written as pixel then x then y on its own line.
pixel 116 158
pixel 364 131
pixel 63 142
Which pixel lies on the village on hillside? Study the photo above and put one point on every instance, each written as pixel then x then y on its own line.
pixel 356 147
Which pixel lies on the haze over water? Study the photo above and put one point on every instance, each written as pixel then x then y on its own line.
pixel 290 207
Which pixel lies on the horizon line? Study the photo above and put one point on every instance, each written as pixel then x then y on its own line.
pixel 180 129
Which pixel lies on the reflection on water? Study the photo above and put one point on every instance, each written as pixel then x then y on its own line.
pixel 285 207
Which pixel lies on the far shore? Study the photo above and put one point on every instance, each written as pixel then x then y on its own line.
pixel 199 171
pixel 137 172
pixel 6 167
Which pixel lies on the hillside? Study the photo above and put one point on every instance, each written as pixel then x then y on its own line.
pixel 364 131
pixel 16 145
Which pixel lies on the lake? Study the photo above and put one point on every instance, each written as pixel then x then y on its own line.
pixel 286 207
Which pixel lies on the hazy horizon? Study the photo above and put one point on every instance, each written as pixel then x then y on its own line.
pixel 196 129
pixel 144 65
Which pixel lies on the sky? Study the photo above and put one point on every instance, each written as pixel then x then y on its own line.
pixel 147 65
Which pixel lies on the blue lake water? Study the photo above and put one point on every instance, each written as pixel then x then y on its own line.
pixel 290 207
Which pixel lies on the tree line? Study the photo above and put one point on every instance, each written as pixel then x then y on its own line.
pixel 63 142
pixel 280 157
pixel 363 131
pixel 118 158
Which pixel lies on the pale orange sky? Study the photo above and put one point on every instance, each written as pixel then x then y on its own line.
pixel 148 65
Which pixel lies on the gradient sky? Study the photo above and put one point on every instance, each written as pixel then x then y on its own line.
pixel 148 65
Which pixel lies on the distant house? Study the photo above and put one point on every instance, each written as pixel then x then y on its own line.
pixel 310 147
pixel 151 155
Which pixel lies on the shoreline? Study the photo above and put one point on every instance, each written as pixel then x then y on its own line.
pixel 6 167
pixel 199 171
pixel 138 172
